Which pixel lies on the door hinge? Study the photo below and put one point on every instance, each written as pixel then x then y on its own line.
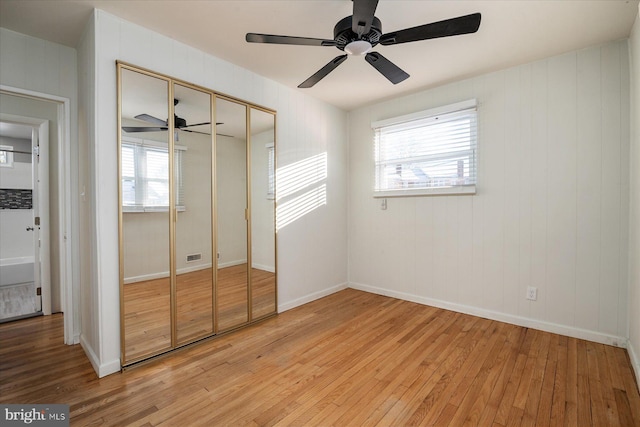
pixel 38 291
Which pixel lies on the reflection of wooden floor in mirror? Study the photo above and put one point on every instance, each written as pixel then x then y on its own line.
pixel 147 307
pixel 194 300
pixel 232 295
pixel 263 293
pixel 147 317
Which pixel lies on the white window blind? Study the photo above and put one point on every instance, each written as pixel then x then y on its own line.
pixel 145 177
pixel 271 166
pixel 430 152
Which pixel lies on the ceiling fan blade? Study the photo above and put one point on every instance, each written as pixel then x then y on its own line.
pixel 450 27
pixel 387 68
pixel 195 124
pixel 151 119
pixel 130 129
pixel 322 73
pixel 302 41
pixel 363 12
pixel 194 131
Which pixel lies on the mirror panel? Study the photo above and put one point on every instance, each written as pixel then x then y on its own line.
pixel 193 148
pixel 232 297
pixel 145 221
pixel 263 245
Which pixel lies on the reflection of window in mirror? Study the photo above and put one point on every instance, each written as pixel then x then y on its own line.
pixel 145 180
pixel 6 156
pixel 271 150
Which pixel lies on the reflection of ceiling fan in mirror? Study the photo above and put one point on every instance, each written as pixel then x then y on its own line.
pixel 162 125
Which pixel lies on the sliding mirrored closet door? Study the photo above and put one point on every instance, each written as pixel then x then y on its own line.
pixel 144 215
pixel 232 214
pixel 263 233
pixel 196 211
pixel 193 157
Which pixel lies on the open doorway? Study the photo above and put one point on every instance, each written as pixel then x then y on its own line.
pixel 24 220
pixel 49 115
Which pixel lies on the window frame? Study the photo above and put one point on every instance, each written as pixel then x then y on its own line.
pixel 428 115
pixel 8 150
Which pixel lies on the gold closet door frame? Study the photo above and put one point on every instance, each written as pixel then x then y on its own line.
pixel 247 211
pixel 171 81
pixel 174 301
pixel 170 124
pixel 275 205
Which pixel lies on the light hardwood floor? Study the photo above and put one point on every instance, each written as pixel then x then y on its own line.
pixel 351 358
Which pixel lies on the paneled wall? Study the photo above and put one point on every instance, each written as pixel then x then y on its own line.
pixel 551 209
pixel 45 67
pixel 312 258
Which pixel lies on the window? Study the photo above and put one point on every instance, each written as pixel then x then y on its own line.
pixel 6 156
pixel 271 165
pixel 145 176
pixel 427 153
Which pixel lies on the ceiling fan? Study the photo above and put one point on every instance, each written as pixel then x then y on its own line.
pixel 161 125
pixel 359 33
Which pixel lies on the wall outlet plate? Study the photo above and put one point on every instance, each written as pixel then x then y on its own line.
pixel 532 293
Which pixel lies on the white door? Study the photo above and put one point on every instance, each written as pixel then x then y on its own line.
pixel 42 268
pixel 35 225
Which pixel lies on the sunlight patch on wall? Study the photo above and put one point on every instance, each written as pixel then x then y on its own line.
pixel 301 188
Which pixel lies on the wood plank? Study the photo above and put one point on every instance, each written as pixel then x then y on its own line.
pixel 352 359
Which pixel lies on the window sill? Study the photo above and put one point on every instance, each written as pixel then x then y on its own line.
pixel 468 190
pixel 131 209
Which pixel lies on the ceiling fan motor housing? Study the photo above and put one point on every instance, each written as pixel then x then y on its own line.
pixel 343 33
pixel 179 122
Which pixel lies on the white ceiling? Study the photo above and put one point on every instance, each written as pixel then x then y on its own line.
pixel 512 32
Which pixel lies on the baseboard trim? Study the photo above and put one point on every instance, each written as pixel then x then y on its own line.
pixel 635 362
pixel 555 328
pixel 311 297
pixel 263 267
pixel 102 370
pixel 165 274
pixel 222 265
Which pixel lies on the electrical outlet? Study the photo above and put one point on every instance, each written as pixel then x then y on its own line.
pixel 532 293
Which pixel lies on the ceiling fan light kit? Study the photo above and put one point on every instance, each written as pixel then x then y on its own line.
pixel 359 33
pixel 358 47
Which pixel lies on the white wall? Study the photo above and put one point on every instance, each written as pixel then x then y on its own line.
pixel 231 182
pixel 41 66
pixel 91 313
pixel 312 250
pixel 551 210
pixel 634 218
